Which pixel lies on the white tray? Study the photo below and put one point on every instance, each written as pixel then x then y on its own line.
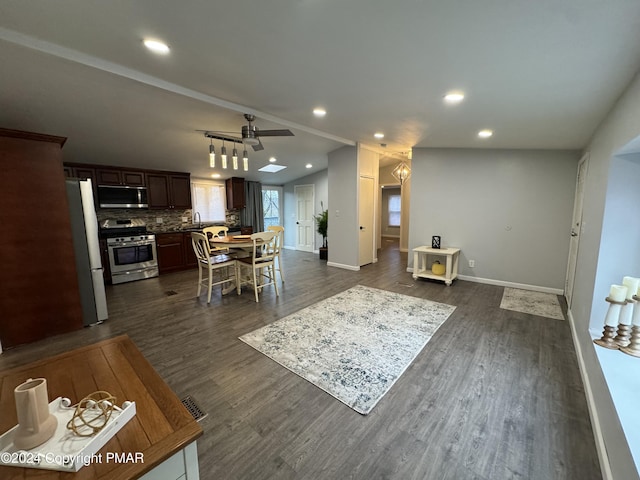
pixel 65 451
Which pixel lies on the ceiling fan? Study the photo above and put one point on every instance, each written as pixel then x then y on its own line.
pixel 250 134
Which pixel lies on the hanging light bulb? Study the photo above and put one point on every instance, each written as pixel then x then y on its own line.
pixel 212 155
pixel 245 161
pixel 402 172
pixel 223 155
pixel 234 157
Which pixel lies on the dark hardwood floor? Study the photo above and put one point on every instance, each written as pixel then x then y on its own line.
pixel 494 395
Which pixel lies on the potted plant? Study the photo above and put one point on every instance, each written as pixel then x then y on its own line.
pixel 322 221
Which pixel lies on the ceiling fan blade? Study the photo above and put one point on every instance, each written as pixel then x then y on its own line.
pixel 274 133
pixel 258 147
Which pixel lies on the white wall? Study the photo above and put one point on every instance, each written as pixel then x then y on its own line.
pixel 343 208
pixel 509 210
pixel 320 182
pixel 595 272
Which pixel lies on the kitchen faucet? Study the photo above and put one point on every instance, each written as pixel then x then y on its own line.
pixel 199 219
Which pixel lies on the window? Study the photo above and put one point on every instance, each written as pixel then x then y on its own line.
pixel 209 201
pixel 271 204
pixel 394 210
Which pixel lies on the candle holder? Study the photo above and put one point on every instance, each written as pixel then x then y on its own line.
pixel 611 319
pixel 634 342
pixel 624 325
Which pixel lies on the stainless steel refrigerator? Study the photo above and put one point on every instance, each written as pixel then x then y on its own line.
pixel 84 227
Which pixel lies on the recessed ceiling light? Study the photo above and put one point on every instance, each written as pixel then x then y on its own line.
pixel 272 168
pixel 215 175
pixel 273 159
pixel 308 165
pixel 485 133
pixel 454 97
pixel 378 135
pixel 156 46
pixel 319 112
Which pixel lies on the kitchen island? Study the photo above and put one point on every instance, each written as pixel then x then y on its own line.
pixel 162 433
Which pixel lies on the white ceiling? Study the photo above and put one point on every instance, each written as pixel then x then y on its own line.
pixel 541 74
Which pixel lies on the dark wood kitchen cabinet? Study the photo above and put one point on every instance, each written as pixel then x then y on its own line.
pixel 117 176
pixel 170 249
pixel 40 292
pixel 235 193
pixel 171 190
pixel 189 255
pixel 175 252
pixel 82 172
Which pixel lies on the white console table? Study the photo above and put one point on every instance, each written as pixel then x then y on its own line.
pixel 424 256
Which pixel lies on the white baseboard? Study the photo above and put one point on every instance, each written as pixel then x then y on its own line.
pixel 346 267
pixel 288 247
pixel 605 467
pixel 501 283
pixel 522 286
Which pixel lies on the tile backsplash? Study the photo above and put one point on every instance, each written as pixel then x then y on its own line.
pixel 171 218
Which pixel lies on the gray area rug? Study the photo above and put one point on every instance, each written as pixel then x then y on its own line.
pixel 535 303
pixel 354 345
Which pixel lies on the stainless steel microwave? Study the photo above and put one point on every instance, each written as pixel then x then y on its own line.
pixel 119 196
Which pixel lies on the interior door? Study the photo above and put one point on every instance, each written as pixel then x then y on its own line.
pixel 305 231
pixel 576 225
pixel 366 220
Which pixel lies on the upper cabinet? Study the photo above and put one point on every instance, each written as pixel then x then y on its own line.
pixel 164 189
pixel 81 172
pixel 235 193
pixel 118 176
pixel 171 190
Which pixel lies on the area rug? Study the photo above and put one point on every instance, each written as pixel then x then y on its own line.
pixel 535 303
pixel 354 345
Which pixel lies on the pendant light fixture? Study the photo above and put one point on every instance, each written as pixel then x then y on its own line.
pixel 212 155
pixel 223 155
pixel 234 157
pixel 245 160
pixel 402 172
pixel 223 152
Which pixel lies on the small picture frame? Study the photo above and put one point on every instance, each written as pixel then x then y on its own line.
pixel 435 241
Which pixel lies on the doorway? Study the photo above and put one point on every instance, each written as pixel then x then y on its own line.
pixel 576 226
pixel 304 195
pixel 366 219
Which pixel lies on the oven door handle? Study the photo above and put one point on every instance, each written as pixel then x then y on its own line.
pixel 138 243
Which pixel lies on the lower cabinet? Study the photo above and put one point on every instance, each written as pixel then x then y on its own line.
pixel 175 252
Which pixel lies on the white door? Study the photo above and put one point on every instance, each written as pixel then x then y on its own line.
pixel 365 218
pixel 305 226
pixel 576 225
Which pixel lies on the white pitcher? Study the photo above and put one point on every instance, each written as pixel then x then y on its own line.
pixel 36 424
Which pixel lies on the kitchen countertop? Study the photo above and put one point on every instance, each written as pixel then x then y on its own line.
pixel 161 427
pixel 191 228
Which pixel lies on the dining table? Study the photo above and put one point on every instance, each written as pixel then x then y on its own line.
pixel 243 245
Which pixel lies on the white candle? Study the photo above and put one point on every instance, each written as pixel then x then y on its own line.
pixel 613 315
pixel 618 293
pixel 626 314
pixel 636 316
pixel 632 286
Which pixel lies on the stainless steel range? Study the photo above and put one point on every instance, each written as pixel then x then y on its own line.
pixel 132 250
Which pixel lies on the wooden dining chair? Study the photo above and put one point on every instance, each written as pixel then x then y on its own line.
pixel 261 262
pixel 278 243
pixel 224 266
pixel 216 232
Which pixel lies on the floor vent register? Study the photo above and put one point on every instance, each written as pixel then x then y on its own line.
pixel 190 404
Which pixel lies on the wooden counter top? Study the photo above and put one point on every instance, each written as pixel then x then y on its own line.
pixel 161 427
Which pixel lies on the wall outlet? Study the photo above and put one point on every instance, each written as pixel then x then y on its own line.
pixel 472 263
pixel 185 219
pixel 159 220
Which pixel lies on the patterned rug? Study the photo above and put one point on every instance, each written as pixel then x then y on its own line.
pixel 354 345
pixel 535 303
